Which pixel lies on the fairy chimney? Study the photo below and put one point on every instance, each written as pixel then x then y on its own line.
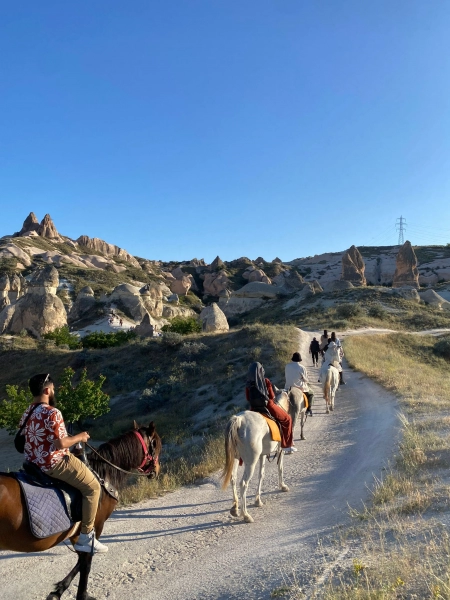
pixel 406 272
pixel 353 267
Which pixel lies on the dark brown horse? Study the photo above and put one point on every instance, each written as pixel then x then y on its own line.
pixel 126 452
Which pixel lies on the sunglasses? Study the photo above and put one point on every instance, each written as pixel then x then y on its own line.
pixel 46 379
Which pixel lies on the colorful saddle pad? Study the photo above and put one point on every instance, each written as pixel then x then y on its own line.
pixel 274 429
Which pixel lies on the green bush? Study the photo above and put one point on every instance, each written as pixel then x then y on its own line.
pixel 377 312
pixel 347 311
pixel 62 336
pixel 183 325
pixel 442 348
pixel 171 339
pixel 100 339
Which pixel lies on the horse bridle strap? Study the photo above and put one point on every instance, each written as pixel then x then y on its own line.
pixel 148 456
pixel 113 465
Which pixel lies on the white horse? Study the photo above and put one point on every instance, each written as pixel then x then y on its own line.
pixel 247 436
pixel 330 386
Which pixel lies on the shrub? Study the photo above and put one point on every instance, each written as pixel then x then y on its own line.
pixel 377 312
pixel 63 337
pixel 346 311
pixel 442 348
pixel 100 339
pixel 192 348
pixel 183 325
pixel 171 339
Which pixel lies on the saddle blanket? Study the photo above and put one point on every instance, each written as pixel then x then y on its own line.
pixel 47 509
pixel 274 429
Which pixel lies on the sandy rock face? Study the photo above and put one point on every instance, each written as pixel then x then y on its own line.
pixel 251 296
pixel 107 249
pixel 30 224
pixel 213 319
pixel 253 274
pixel 406 272
pixel 17 287
pixel 353 267
pixel 39 311
pixel 216 264
pixel 433 298
pixel 407 293
pixel 13 251
pixel 4 291
pixel 215 283
pixel 145 329
pixel 336 286
pixel 84 302
pixel 47 229
pixel 180 283
pixel 289 280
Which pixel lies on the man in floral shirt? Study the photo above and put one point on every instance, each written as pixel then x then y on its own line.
pixel 47 446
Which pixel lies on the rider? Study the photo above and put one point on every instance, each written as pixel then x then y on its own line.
pixel 314 349
pixel 47 446
pixel 330 358
pixel 260 395
pixel 297 376
pixel 323 342
pixel 338 343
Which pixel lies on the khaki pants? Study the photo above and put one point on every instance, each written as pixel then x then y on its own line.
pixel 74 472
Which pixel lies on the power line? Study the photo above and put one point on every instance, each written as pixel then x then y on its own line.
pixel 401 228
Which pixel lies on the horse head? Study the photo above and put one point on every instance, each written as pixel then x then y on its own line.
pixel 152 445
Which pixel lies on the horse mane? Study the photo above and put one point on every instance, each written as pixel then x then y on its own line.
pixel 123 451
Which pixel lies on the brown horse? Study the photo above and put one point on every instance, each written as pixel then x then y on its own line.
pixel 125 452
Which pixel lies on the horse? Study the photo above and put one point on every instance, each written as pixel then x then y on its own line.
pixel 330 386
pixel 247 436
pixel 123 452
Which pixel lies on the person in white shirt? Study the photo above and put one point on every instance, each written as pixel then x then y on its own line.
pixel 297 376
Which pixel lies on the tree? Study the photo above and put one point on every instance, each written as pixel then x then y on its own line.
pixel 84 400
pixel 12 409
pixel 76 402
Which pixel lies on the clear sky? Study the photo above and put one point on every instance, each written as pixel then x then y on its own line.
pixel 191 128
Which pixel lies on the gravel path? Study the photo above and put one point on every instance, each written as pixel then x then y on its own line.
pixel 185 545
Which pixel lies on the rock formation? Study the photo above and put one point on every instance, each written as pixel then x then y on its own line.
pixel 4 291
pixel 434 299
pixel 30 224
pixel 213 319
pixel 39 311
pixel 406 272
pixel 353 267
pixel 289 280
pixel 145 329
pixel 107 249
pixel 83 304
pixel 47 229
pixel 216 264
pixel 215 283
pixel 407 293
pixel 338 285
pixel 254 274
pixel 249 297
pixel 17 287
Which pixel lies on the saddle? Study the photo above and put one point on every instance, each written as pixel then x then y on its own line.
pixel 53 506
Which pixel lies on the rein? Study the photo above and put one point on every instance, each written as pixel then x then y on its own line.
pixel 147 456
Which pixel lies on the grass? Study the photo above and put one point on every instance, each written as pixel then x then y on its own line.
pixel 401 548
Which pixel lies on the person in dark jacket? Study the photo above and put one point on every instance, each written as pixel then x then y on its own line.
pixel 260 395
pixel 314 349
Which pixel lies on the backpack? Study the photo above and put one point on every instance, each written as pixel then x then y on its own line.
pixel 256 398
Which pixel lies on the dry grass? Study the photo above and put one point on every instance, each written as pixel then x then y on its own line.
pixel 402 549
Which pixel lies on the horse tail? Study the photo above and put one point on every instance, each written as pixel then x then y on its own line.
pixel 231 437
pixel 327 386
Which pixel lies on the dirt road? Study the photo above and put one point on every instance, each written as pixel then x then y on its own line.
pixel 185 546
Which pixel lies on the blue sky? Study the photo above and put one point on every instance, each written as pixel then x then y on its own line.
pixel 193 128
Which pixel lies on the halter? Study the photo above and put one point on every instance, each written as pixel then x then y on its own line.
pixel 149 461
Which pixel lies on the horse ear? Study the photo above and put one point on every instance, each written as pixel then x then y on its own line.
pixel 135 425
pixel 151 428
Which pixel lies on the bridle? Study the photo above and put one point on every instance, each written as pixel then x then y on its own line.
pixel 147 466
pixel 150 461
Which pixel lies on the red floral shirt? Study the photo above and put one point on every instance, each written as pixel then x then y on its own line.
pixel 45 425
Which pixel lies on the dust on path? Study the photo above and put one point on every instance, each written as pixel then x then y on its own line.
pixel 185 546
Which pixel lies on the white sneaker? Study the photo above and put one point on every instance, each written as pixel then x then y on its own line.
pixel 84 544
pixel 290 450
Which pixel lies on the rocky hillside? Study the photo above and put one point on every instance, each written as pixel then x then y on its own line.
pixel 48 280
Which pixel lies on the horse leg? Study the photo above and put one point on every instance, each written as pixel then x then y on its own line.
pixel 85 568
pixel 282 485
pixel 302 422
pixel 234 511
pixel 262 459
pixel 63 585
pixel 248 474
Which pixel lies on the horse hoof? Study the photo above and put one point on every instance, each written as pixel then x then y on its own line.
pixel 258 502
pixel 331 408
pixel 328 412
pixel 248 519
pixel 284 488
pixel 234 511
